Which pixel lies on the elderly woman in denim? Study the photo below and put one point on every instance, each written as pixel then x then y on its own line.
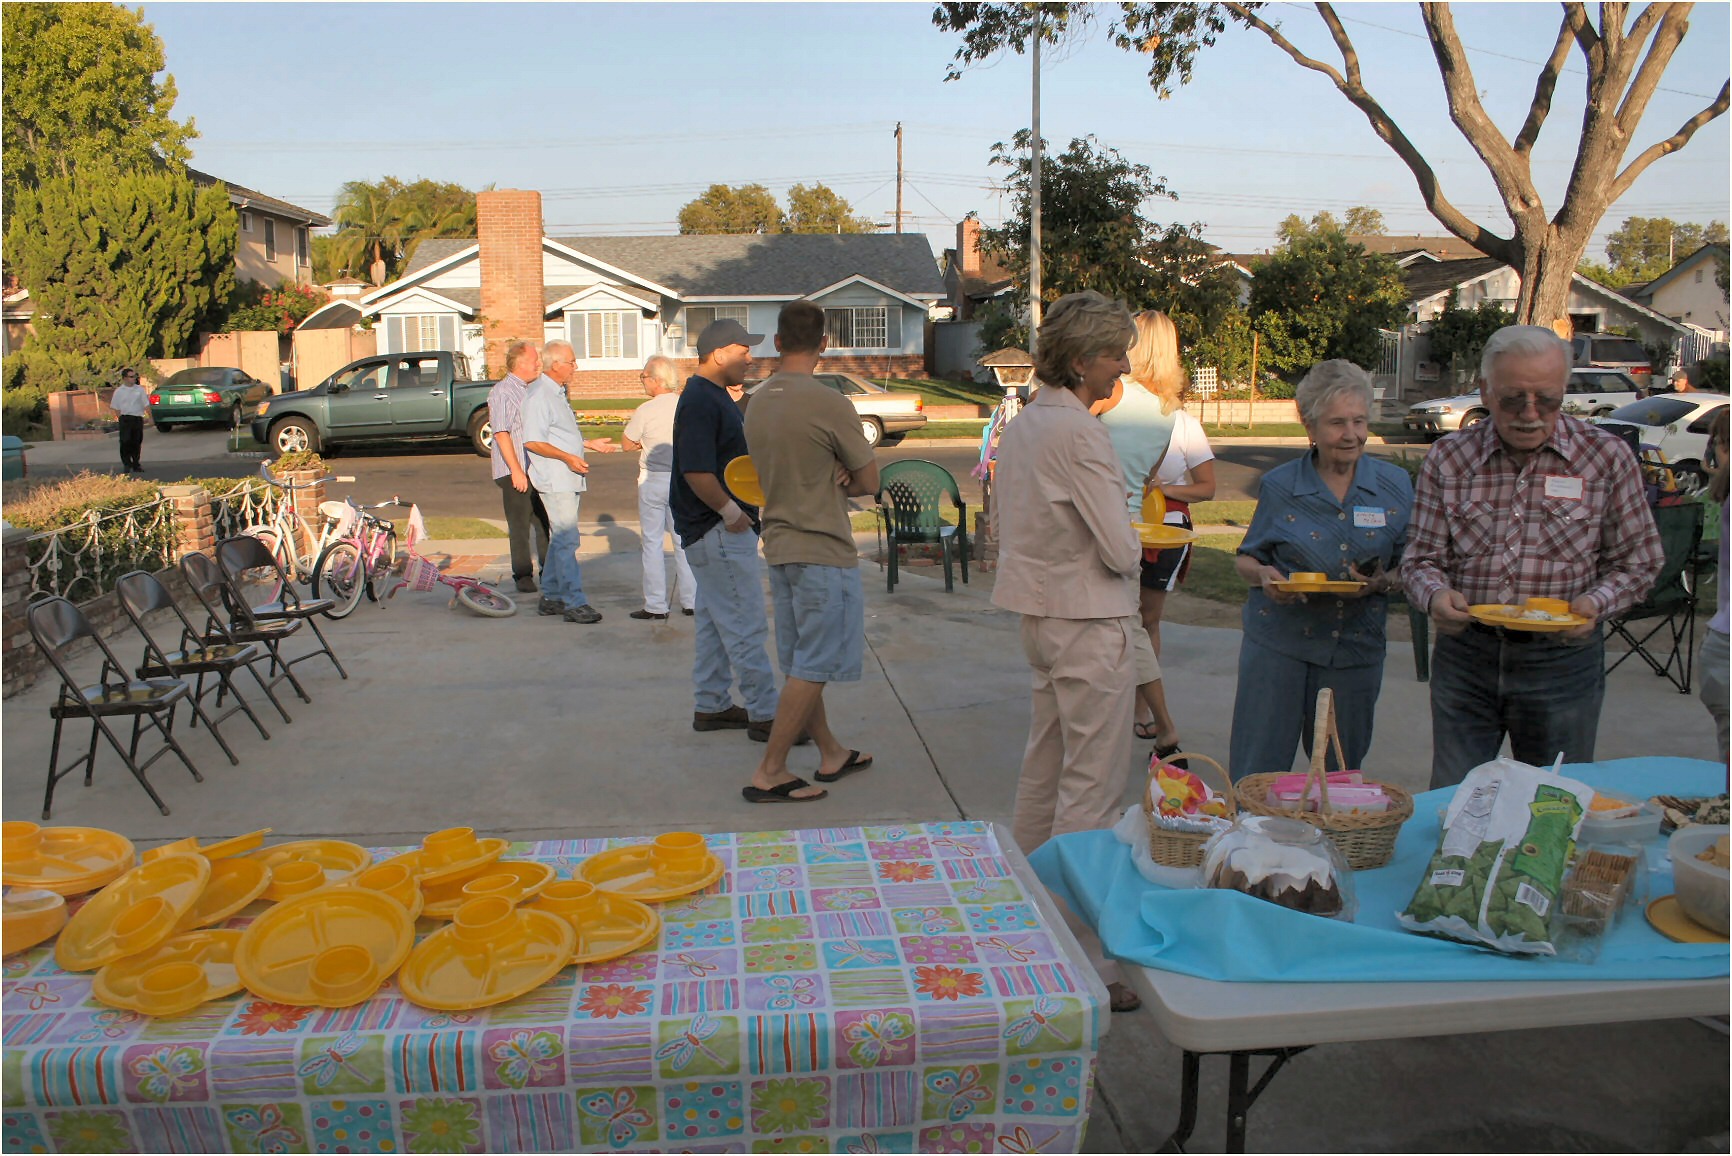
pixel 1336 511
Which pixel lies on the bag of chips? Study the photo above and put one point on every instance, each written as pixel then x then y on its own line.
pixel 1507 837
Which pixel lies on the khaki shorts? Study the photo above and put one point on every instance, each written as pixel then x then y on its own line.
pixel 1143 653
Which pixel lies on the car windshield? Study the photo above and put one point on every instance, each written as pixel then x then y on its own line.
pixel 1600 383
pixel 1653 411
pixel 839 383
pixel 1617 349
pixel 198 377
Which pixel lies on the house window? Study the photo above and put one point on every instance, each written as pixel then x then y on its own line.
pixel 246 221
pixel 603 335
pixel 270 239
pixel 699 317
pixel 1698 276
pixel 864 327
pixel 420 332
pixel 301 244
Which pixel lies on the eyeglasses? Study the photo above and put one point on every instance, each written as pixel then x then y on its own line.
pixel 1514 403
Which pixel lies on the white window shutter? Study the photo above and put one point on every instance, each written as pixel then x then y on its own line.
pixel 893 326
pixel 393 335
pixel 447 331
pixel 630 325
pixel 575 334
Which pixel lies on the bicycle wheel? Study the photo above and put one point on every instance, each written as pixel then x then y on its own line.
pixel 272 589
pixel 384 567
pixel 341 571
pixel 486 601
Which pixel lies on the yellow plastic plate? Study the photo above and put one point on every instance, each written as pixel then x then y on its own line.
pixel 1510 618
pixel 741 478
pixel 1155 507
pixel 463 858
pixel 514 880
pixel 390 878
pixel 30 917
pixel 1318 586
pixel 1669 920
pixel 330 948
pixel 633 873
pixel 1159 537
pixel 175 976
pixel 608 926
pixel 221 849
pixel 134 913
pixel 338 859
pixel 233 884
pixel 64 860
pixel 492 952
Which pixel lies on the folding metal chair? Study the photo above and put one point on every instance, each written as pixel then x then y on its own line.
pixel 1671 604
pixel 223 626
pixel 142 596
pixel 57 624
pixel 238 557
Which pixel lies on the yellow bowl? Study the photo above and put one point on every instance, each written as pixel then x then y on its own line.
pixel 1549 605
pixel 1307 576
pixel 1155 506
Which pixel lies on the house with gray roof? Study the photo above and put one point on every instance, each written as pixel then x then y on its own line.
pixel 619 300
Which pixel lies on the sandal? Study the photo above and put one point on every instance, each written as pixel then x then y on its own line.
pixel 1122 999
pixel 1148 732
pixel 1162 754
pixel 853 763
pixel 781 793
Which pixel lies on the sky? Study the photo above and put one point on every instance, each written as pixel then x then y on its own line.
pixel 621 113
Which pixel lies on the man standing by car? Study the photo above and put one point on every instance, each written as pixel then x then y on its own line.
pixel 131 401
pixel 651 429
pixel 720 536
pixel 1530 503
pixel 557 468
pixel 525 517
pixel 811 456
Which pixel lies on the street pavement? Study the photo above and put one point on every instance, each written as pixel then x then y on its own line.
pixel 533 728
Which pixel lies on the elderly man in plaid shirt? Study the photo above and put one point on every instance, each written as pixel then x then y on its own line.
pixel 1530 503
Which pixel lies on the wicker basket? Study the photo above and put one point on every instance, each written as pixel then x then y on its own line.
pixel 1182 848
pixel 1366 841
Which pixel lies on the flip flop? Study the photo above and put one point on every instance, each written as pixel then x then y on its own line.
pixel 853 763
pixel 781 793
pixel 1147 731
pixel 1178 764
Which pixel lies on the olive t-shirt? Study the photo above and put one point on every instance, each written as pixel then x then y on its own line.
pixel 798 431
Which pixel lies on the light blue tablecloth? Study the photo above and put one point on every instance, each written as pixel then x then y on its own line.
pixel 1224 935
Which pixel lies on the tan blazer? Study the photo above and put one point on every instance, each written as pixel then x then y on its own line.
pixel 1065 544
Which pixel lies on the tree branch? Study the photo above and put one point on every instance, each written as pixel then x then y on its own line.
pixel 1390 133
pixel 1671 144
pixel 1543 90
pixel 1666 41
pixel 1508 169
pixel 1576 15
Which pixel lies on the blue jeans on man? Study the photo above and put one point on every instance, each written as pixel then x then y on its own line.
pixel 731 628
pixel 561 578
pixel 1543 693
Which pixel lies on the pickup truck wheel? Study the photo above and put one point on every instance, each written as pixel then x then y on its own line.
pixel 481 434
pixel 293 435
pixel 874 432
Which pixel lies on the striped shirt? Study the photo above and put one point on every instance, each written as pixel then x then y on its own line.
pixel 505 412
pixel 1572 522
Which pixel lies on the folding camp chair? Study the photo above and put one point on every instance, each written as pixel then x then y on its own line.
pixel 244 556
pixel 1671 605
pixel 909 492
pixel 56 625
pixel 222 625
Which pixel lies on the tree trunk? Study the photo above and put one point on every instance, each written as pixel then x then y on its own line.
pixel 1547 268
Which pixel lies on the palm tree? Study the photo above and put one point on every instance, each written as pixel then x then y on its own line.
pixel 369 219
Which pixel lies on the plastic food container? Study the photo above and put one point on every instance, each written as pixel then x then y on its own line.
pixel 1281 861
pixel 1637 828
pixel 1702 888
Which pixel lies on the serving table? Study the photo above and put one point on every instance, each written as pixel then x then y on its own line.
pixel 853 989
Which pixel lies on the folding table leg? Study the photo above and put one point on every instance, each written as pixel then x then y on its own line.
pixel 1190 1067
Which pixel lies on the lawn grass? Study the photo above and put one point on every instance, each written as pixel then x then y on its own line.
pixel 583 404
pixel 936 392
pixel 448 529
pixel 1232 513
pixel 1212 575
pixel 948 429
pixel 865 521
pixel 1270 429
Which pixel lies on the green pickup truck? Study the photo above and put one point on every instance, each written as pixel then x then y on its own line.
pixel 397 396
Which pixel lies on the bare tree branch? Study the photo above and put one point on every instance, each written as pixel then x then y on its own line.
pixel 1543 90
pixel 1666 39
pixel 1671 144
pixel 1583 30
pixel 1508 169
pixel 1384 125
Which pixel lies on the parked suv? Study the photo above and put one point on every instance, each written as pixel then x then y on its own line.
pixel 1604 351
pixel 1590 392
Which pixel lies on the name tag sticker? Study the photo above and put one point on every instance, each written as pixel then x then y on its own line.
pixel 1562 486
pixel 1369 518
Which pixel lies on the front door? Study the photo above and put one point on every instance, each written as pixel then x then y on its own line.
pixel 420 400
pixel 360 405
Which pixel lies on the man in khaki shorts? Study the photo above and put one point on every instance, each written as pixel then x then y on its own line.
pixel 811 457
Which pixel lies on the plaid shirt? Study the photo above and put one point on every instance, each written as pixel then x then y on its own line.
pixel 1573 522
pixel 505 411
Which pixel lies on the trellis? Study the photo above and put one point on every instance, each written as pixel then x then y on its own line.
pixel 251 502
pixel 82 560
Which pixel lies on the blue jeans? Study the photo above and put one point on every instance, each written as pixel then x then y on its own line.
pixel 731 626
pixel 561 577
pixel 1545 695
pixel 1276 704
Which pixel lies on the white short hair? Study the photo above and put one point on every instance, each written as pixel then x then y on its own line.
pixel 1328 380
pixel 1524 341
pixel 663 369
pixel 559 351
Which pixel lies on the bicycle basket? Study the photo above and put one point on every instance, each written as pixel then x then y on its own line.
pixel 341 513
pixel 419 573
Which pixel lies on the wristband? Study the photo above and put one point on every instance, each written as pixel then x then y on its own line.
pixel 730 511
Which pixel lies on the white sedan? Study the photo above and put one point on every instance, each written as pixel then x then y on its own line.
pixel 1675 423
pixel 1592 392
pixel 885 416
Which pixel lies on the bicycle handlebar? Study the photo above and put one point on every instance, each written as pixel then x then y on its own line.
pixel 344 478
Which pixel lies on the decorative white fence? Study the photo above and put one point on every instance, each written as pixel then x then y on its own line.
pixel 82 560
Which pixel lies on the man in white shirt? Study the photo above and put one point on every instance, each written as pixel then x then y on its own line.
pixel 651 430
pixel 131 401
pixel 557 467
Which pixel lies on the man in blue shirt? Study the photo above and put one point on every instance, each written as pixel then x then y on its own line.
pixel 720 536
pixel 557 468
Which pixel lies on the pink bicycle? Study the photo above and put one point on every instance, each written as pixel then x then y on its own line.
pixel 422 573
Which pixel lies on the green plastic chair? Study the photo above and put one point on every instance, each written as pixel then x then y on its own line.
pixel 1670 607
pixel 909 493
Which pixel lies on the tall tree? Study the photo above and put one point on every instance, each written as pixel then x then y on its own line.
pixel 817 209
pixel 1365 221
pixel 1645 247
pixel 433 209
pixel 80 83
pixel 730 209
pixel 369 228
pixel 1625 54
pixel 1321 296
pixel 101 304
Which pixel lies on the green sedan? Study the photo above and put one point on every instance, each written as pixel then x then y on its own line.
pixel 215 394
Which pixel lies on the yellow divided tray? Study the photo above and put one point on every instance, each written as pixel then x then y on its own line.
pixel 454 853
pixel 233 884
pixel 1510 617
pixel 64 860
pixel 221 849
pixel 675 864
pixel 332 948
pixel 1156 536
pixel 134 913
pixel 607 926
pixel 515 881
pixel 492 952
pixel 741 478
pixel 291 863
pixel 30 917
pixel 175 976
pixel 1306 582
pixel 393 879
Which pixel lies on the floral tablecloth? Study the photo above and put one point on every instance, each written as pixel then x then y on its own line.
pixel 858 989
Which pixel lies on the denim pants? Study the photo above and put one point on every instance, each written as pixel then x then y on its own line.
pixel 525 518
pixel 654 522
pixel 732 629
pixel 1544 694
pixel 1275 706
pixel 561 578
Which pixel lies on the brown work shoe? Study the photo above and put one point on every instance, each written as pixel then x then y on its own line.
pixel 732 719
pixel 759 732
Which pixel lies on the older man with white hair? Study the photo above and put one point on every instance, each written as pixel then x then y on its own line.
pixel 651 430
pixel 558 467
pixel 1530 503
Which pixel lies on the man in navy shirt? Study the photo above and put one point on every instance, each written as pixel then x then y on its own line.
pixel 720 536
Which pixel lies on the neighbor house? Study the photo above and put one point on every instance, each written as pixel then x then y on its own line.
pixel 273 243
pixel 620 299
pixel 1690 293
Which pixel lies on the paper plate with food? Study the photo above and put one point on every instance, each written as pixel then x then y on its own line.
pixel 1536 614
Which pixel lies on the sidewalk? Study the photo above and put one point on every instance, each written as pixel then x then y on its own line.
pixel 533 728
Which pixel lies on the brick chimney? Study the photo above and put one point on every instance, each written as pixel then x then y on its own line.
pixel 508 224
pixel 968 243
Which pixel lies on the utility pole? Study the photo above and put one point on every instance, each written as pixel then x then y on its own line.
pixel 898 176
pixel 1034 198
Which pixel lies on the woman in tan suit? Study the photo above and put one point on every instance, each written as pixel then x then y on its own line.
pixel 1068 563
